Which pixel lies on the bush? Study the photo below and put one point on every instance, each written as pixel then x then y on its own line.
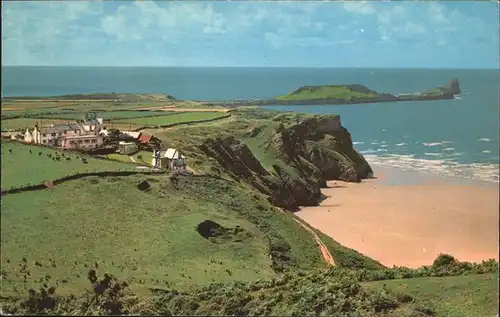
pixel 444 260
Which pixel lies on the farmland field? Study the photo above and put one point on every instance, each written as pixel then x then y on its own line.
pixel 22 167
pixel 106 115
pixel 173 118
pixel 23 123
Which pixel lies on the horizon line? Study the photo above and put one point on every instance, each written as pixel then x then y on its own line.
pixel 257 66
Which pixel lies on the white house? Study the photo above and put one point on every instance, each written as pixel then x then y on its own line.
pixel 93 125
pixel 67 135
pixel 171 159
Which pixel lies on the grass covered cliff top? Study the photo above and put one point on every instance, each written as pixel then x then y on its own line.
pixel 346 92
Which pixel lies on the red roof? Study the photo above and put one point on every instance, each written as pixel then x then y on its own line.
pixel 145 138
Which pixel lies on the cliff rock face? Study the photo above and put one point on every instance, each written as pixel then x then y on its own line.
pixel 326 145
pixel 306 155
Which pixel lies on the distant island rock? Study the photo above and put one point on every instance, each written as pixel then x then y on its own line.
pixel 348 94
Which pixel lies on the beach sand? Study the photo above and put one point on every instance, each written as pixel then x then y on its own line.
pixel 410 223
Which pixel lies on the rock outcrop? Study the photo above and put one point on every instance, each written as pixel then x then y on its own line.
pixel 306 154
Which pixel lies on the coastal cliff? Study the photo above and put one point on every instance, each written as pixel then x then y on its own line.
pixel 300 157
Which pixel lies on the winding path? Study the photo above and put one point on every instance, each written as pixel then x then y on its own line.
pixel 327 256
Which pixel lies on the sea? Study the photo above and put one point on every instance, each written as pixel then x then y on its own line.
pixel 456 138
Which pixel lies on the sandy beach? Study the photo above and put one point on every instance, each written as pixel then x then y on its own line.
pixel 410 224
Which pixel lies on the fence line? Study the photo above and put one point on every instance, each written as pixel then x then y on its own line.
pixel 69 177
pixel 182 123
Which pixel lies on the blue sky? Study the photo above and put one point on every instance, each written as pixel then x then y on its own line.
pixel 249 33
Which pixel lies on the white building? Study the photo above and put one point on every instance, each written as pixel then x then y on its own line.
pixel 171 159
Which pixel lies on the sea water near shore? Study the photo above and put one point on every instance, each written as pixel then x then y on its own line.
pixel 457 138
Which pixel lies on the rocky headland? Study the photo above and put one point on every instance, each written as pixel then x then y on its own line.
pixel 345 94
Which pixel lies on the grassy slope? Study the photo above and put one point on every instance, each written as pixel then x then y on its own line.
pixel 453 296
pixel 325 92
pixel 22 167
pixel 148 238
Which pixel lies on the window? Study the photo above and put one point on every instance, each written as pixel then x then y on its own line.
pixel 87 141
pixel 93 141
pixel 79 141
pixel 44 135
pixel 53 134
pixel 76 132
pixel 44 141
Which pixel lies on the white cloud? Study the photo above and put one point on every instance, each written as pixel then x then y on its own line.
pixel 359 7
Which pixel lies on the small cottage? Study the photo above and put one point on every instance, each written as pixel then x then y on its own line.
pixel 171 159
pixel 127 147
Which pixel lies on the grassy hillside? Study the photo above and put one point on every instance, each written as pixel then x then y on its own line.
pixel 23 164
pixel 453 296
pixel 148 237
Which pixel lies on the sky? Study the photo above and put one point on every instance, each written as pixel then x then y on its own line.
pixel 385 34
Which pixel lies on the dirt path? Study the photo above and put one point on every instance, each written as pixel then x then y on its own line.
pixel 324 250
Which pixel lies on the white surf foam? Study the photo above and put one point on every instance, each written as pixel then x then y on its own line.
pixel 358 142
pixel 443 167
pixel 449 149
pixel 400 144
pixel 484 139
pixel 432 144
pixel 433 154
pixel 486 151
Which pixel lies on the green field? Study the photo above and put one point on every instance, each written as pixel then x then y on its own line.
pixel 22 123
pixel 173 118
pixel 325 92
pixel 142 157
pixel 148 238
pixel 452 296
pixel 22 167
pixel 108 115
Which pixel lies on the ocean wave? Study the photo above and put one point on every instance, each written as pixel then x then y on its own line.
pixel 486 151
pixel 449 149
pixel 484 139
pixel 369 151
pixel 443 167
pixel 358 142
pixel 374 143
pixel 400 144
pixel 381 150
pixel 433 154
pixel 432 144
pixel 383 145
